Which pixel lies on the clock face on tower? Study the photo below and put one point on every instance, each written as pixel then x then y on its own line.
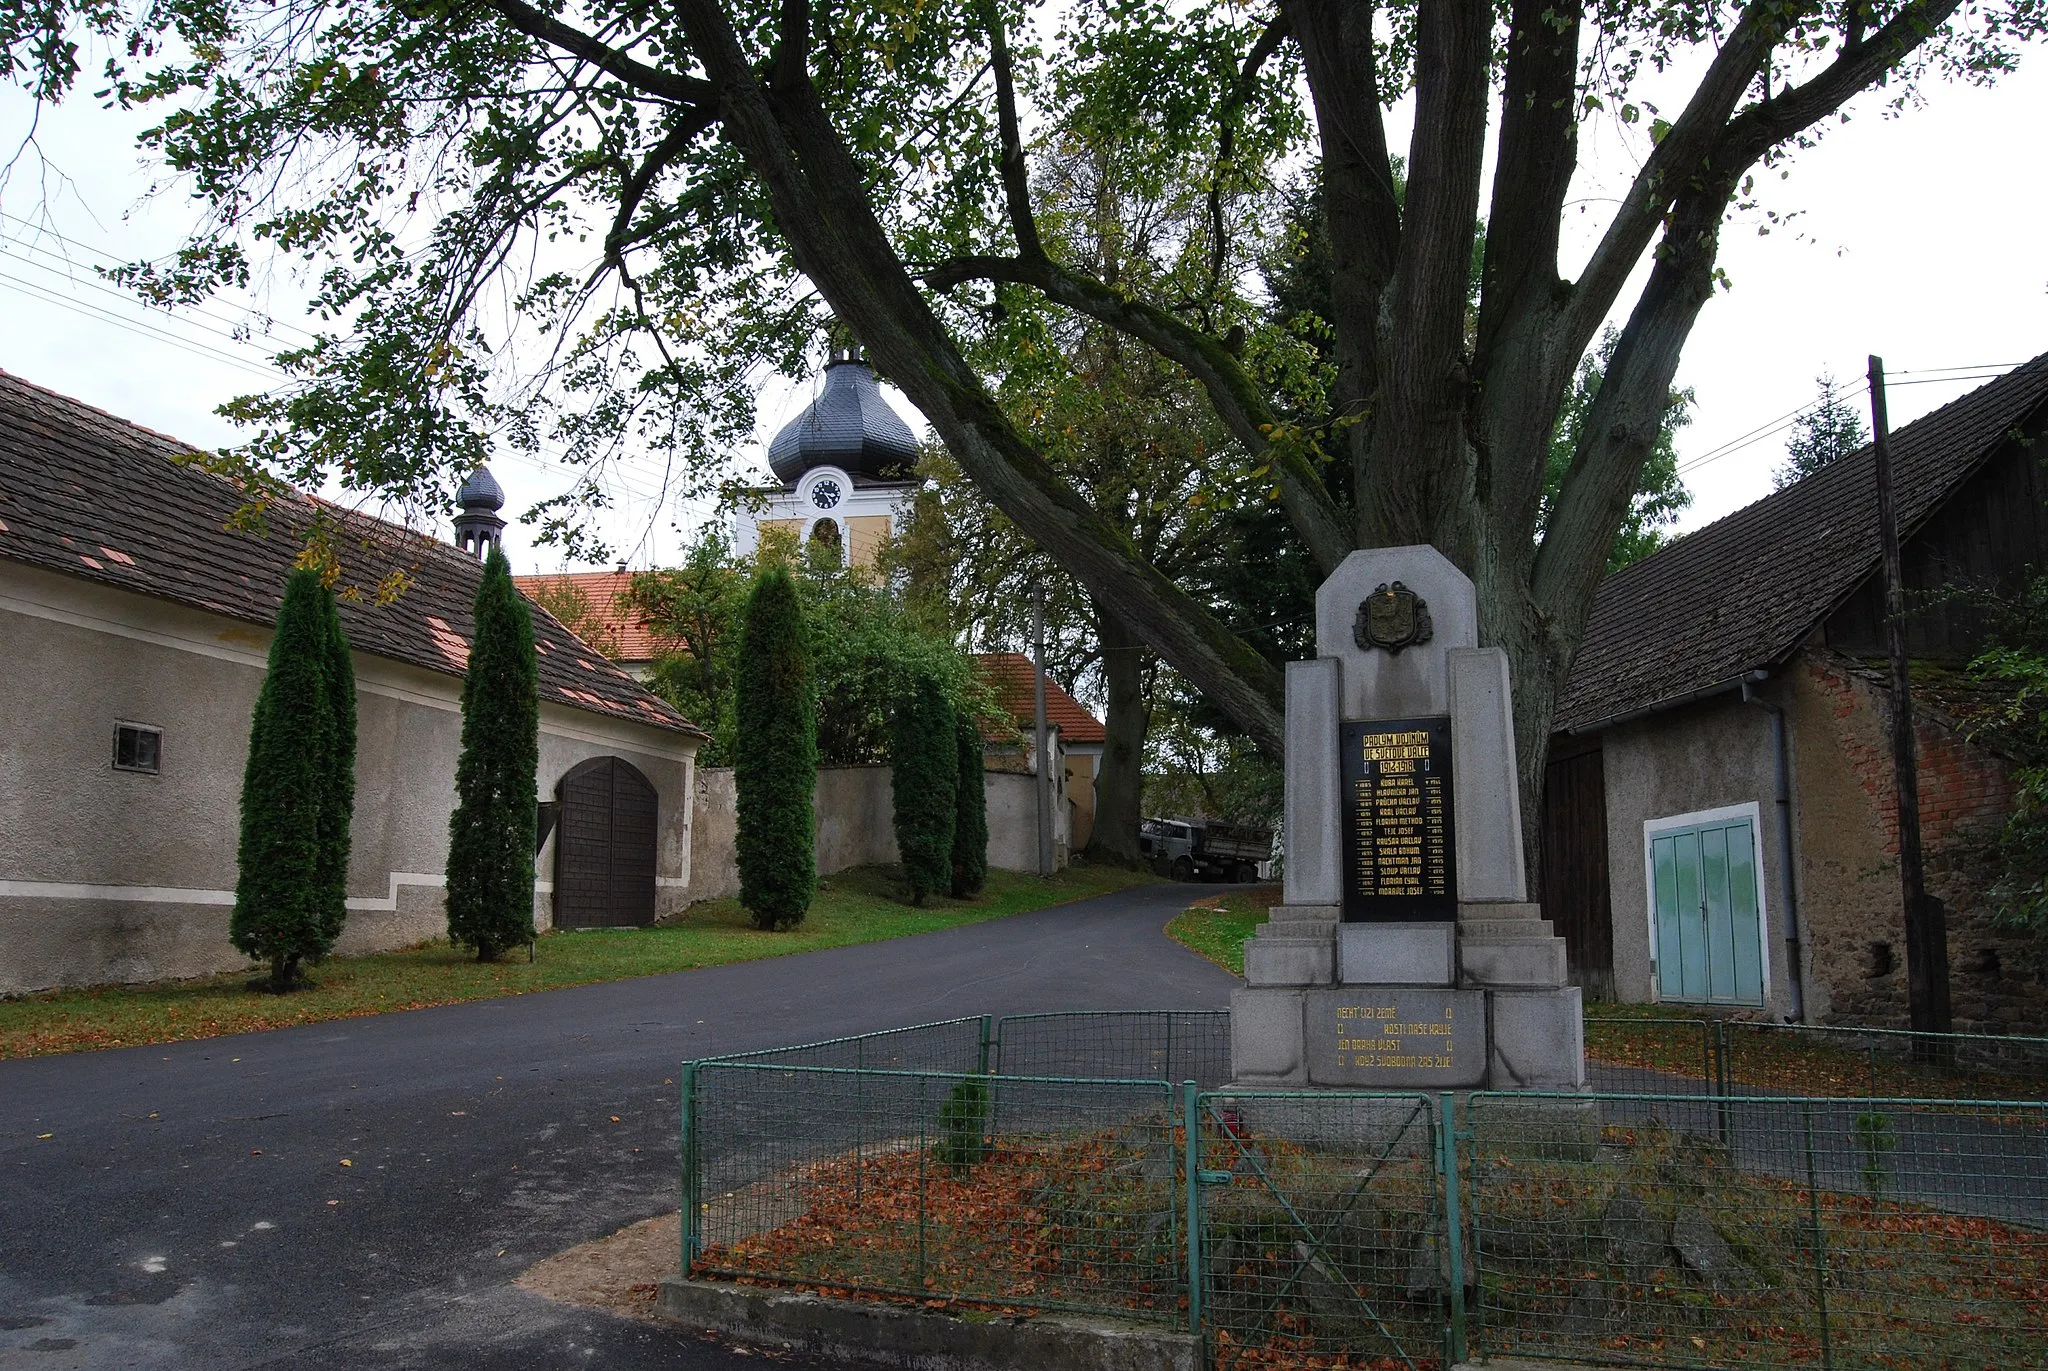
pixel 825 494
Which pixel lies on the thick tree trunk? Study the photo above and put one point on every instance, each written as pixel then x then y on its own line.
pixel 1119 782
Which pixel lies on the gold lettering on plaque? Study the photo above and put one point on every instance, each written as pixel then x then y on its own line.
pixel 1393 1043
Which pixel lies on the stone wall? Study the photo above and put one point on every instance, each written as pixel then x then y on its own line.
pixel 1849 841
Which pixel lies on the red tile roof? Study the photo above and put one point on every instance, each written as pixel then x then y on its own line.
pixel 1010 675
pixel 623 636
pixel 87 494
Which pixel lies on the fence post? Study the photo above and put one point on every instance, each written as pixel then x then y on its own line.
pixel 923 1165
pixel 988 1025
pixel 1718 1049
pixel 1820 1249
pixel 693 1234
pixel 1191 1130
pixel 1454 1232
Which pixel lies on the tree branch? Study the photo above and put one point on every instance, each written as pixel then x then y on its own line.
pixel 1625 418
pixel 1672 163
pixel 1016 178
pixel 1359 206
pixel 543 28
pixel 792 57
pixel 1425 383
pixel 1628 413
pixel 1226 139
pixel 1538 153
pixel 1763 126
pixel 1306 501
pixel 672 145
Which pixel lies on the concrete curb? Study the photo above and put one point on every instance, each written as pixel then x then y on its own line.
pixel 918 1339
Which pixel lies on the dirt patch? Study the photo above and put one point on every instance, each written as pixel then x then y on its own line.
pixel 619 1274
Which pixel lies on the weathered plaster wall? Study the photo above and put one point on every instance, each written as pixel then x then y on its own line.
pixel 856 825
pixel 114 876
pixel 856 818
pixel 1848 836
pixel 714 830
pixel 1704 756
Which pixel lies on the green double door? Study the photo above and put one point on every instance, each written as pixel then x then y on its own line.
pixel 1709 939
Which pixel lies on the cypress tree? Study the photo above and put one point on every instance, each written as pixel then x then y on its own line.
pixel 280 902
pixel 970 815
pixel 338 805
pixel 490 836
pixel 775 755
pixel 925 782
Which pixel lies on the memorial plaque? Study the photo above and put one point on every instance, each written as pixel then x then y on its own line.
pixel 1399 848
pixel 1393 1037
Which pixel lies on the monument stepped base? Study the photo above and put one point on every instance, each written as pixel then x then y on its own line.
pixel 1327 1036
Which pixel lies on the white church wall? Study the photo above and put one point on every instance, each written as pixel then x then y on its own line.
pixel 109 875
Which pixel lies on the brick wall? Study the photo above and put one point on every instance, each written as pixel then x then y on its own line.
pixel 1848 838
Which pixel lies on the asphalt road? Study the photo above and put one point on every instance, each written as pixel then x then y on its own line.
pixel 190 1207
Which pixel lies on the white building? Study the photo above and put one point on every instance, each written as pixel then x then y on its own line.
pixel 135 623
pixel 845 465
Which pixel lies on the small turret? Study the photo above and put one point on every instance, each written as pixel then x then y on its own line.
pixel 478 528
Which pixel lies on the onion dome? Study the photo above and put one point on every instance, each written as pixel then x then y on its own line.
pixel 481 491
pixel 849 426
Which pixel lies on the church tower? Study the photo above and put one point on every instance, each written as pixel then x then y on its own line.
pixel 845 468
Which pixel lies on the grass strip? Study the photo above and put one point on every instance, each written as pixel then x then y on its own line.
pixel 860 906
pixel 1217 926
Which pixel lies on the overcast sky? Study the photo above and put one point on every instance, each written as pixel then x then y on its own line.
pixel 1923 239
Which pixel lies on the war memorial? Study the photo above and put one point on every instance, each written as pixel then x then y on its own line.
pixel 1406 953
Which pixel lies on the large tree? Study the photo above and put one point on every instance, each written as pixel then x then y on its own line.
pixel 680 192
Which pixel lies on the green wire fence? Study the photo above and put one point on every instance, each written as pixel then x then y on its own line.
pixel 1101 1163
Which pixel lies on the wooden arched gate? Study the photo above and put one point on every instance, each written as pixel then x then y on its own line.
pixel 604 846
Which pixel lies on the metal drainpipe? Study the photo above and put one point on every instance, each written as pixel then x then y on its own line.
pixel 1787 863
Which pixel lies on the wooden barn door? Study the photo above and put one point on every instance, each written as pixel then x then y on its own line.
pixel 1576 898
pixel 604 848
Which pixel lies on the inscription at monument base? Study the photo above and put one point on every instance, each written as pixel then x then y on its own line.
pixel 1395 1038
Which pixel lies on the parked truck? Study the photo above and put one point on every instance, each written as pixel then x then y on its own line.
pixel 1205 849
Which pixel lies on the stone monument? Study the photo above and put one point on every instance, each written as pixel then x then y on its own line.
pixel 1406 954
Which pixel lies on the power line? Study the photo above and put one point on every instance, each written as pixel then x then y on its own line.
pixel 1927 376
pixel 135 326
pixel 1765 430
pixel 25 243
pixel 125 298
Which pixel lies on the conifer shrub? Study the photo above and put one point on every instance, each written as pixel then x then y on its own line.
pixel 963 1125
pixel 924 783
pixel 338 805
pixel 775 755
pixel 281 904
pixel 970 813
pixel 490 835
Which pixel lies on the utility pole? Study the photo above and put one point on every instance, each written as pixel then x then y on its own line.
pixel 1926 919
pixel 1044 763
